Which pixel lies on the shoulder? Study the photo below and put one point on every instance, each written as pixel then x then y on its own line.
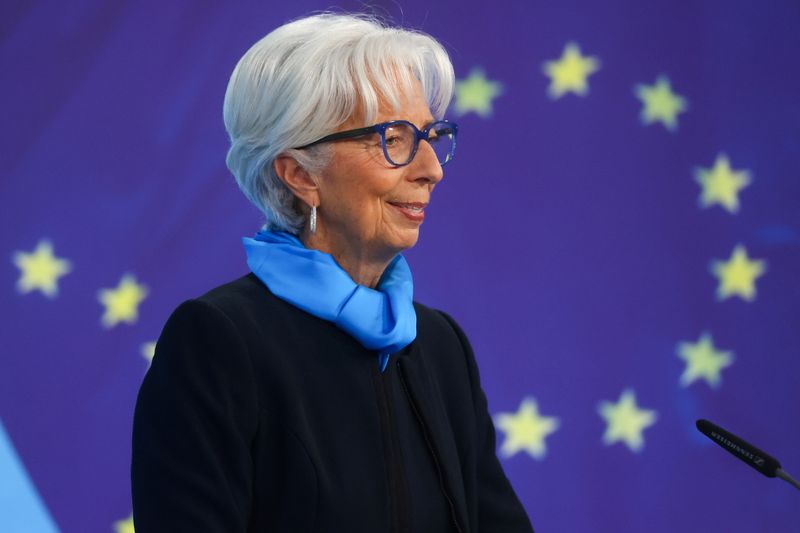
pixel 206 325
pixel 220 306
pixel 246 303
pixel 222 319
pixel 440 336
pixel 247 312
pixel 246 291
pixel 437 327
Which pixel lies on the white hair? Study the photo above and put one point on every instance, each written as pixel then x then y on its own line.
pixel 306 78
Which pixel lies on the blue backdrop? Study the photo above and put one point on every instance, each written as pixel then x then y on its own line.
pixel 619 235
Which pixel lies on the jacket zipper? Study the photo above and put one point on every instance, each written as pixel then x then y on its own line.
pixel 398 487
pixel 429 443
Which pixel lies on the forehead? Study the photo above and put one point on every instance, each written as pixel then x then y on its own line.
pixel 411 105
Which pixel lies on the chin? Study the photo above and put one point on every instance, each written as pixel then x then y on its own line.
pixel 403 240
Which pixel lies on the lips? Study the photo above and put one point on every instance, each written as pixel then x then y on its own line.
pixel 412 210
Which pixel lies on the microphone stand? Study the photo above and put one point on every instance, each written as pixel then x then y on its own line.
pixel 781 473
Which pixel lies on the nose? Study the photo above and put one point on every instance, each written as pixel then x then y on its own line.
pixel 425 166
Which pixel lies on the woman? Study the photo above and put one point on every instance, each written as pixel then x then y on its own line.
pixel 313 394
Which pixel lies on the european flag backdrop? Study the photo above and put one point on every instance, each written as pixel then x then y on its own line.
pixel 619 235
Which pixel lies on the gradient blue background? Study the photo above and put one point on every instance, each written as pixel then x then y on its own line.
pixel 566 238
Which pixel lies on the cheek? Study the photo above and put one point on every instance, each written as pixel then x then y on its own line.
pixel 367 193
pixel 357 191
pixel 359 205
pixel 372 209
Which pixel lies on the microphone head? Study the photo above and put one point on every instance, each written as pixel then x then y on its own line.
pixel 761 461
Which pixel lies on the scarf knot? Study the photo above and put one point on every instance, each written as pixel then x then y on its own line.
pixel 381 319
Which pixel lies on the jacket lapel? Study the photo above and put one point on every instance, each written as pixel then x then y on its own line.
pixel 430 411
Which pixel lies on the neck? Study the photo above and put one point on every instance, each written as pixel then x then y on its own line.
pixel 364 268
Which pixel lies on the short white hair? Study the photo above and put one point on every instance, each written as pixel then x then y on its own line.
pixel 306 78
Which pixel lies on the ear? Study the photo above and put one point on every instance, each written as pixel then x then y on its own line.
pixel 297 179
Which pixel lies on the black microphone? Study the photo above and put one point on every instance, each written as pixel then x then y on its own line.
pixel 758 459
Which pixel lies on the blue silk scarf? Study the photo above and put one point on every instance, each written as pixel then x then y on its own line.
pixel 383 320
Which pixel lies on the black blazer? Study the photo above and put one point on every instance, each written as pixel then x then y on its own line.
pixel 257 416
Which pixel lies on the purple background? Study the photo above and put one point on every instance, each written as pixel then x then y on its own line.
pixel 566 237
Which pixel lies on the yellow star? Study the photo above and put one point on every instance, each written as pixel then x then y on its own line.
pixel 660 103
pixel 476 94
pixel 122 303
pixel 721 184
pixel 124 526
pixel 737 276
pixel 40 269
pixel 148 350
pixel 703 361
pixel 625 421
pixel 526 430
pixel 569 73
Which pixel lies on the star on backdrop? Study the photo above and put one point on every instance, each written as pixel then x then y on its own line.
pixel 476 93
pixel 526 430
pixel 570 72
pixel 721 185
pixel 148 350
pixel 625 421
pixel 122 302
pixel 40 269
pixel 737 276
pixel 124 526
pixel 660 104
pixel 703 360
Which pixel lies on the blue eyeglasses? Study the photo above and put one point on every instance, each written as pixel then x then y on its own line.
pixel 400 140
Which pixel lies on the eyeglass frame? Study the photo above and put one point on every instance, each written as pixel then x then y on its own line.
pixel 381 128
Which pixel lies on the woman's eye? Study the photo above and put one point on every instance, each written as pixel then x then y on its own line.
pixel 397 141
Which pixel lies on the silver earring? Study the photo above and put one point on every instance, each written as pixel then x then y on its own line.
pixel 313 219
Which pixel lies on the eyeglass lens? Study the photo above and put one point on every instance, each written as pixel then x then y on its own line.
pixel 400 140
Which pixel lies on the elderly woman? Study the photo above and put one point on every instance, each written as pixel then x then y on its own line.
pixel 313 394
